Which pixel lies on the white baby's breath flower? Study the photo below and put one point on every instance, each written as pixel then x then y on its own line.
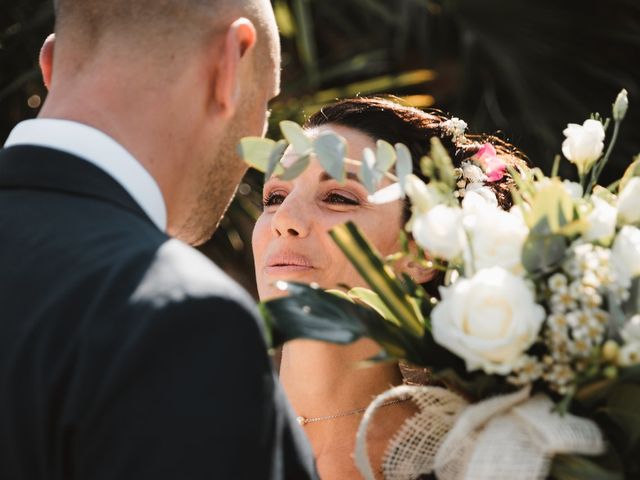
pixel 601 220
pixel 558 321
pixel 583 144
pixel 489 320
pixel 558 282
pixel 454 127
pixel 629 202
pixel 439 232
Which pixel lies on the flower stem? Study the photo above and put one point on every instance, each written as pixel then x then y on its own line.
pixel 597 170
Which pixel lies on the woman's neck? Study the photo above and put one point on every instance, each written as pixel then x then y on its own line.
pixel 323 379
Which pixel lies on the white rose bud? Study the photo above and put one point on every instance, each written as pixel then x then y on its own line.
pixel 620 106
pixel 625 254
pixel 601 220
pixel 629 202
pixel 584 144
pixel 489 320
pixel 439 232
pixel 496 237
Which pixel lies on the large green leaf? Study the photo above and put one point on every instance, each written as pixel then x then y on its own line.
pixel 574 467
pixel 315 314
pixel 623 408
pixel 379 276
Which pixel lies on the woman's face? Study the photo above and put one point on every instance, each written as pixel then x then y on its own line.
pixel 291 239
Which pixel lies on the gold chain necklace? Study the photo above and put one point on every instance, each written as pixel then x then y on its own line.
pixel 304 420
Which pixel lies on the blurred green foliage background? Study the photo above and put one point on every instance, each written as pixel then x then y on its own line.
pixel 522 69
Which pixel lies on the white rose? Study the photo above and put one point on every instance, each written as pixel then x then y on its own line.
pixel 496 236
pixel 584 143
pixel 439 232
pixel 483 191
pixel 489 320
pixel 625 254
pixel 631 330
pixel 601 220
pixel 629 202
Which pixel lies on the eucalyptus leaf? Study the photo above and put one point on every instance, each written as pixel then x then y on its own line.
pixel 274 166
pixel 543 252
pixel 256 151
pixel 294 171
pixel 366 173
pixel 385 156
pixel 331 150
pixel 404 164
pixel 553 204
pixel 296 136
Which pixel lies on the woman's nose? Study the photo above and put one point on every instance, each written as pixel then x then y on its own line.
pixel 290 219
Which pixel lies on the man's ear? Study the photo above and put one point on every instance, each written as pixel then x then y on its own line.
pixel 239 39
pixel 46 59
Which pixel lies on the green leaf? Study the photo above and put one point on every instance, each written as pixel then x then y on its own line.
pixel 443 164
pixel 296 136
pixel 314 314
pixel 385 156
pixel 256 151
pixel 543 251
pixel 574 467
pixel 632 170
pixel 299 166
pixel 379 277
pixel 404 164
pixel 622 408
pixel 274 166
pixel 373 300
pixel 331 150
pixel 553 204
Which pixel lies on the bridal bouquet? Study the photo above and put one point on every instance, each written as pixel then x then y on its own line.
pixel 534 341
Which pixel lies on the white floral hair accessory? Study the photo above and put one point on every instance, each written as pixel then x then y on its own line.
pixel 455 127
pixel 481 168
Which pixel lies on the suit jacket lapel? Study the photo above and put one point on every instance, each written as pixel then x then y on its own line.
pixel 31 167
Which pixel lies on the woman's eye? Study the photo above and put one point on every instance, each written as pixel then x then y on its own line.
pixel 340 199
pixel 274 198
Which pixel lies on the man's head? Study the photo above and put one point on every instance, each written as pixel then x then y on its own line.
pixel 177 82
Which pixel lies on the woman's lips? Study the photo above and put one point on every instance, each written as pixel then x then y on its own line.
pixel 288 262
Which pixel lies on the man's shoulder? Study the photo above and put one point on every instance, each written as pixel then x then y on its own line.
pixel 177 272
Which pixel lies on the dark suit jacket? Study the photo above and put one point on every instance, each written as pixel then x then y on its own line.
pixel 124 354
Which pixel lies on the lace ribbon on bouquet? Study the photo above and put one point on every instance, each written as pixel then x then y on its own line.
pixel 512 437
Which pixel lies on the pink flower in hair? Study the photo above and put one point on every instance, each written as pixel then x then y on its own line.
pixel 493 167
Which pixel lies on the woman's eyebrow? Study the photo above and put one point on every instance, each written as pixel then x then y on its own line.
pixel 324 176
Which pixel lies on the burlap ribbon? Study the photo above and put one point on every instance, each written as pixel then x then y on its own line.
pixel 510 437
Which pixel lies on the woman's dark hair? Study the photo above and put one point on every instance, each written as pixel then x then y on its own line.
pixel 383 119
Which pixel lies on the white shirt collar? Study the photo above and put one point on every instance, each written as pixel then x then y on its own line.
pixel 99 149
